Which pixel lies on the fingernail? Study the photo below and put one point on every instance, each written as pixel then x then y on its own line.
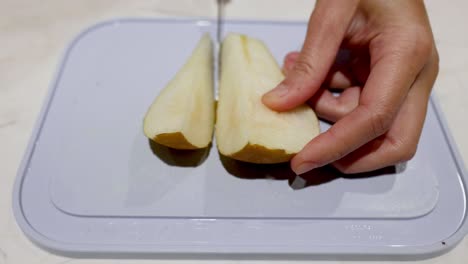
pixel 305 167
pixel 280 91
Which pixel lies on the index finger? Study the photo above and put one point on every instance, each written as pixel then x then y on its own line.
pixel 325 32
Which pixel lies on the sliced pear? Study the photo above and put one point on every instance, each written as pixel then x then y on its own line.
pixel 246 129
pixel 182 116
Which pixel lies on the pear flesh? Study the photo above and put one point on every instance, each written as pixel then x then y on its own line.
pixel 182 115
pixel 246 129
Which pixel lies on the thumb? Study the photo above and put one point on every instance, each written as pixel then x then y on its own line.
pixel 326 30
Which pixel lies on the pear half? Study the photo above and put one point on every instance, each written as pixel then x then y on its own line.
pixel 182 116
pixel 246 129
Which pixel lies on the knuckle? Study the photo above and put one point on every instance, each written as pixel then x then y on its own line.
pixel 347 166
pixel 344 107
pixel 415 42
pixel 304 67
pixel 339 152
pixel 418 43
pixel 436 61
pixel 404 151
pixel 342 110
pixel 422 43
pixel 380 120
pixel 343 168
pixel 408 152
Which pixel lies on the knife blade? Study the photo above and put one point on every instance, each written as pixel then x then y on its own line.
pixel 219 38
pixel 220 19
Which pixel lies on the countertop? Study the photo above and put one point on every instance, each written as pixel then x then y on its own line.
pixel 33 35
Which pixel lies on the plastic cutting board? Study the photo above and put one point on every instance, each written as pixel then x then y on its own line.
pixel 92 184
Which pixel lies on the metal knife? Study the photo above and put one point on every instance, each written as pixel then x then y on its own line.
pixel 220 19
pixel 219 38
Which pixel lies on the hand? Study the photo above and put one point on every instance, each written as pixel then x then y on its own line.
pixel 386 82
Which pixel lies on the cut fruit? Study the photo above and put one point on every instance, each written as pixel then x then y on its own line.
pixel 182 116
pixel 246 129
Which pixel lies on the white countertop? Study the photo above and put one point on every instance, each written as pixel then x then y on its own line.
pixel 33 35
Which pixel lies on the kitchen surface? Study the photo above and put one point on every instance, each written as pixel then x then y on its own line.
pixel 34 36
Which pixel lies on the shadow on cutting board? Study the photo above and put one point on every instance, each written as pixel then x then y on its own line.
pixel 245 170
pixel 282 171
pixel 178 157
pixel 329 173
